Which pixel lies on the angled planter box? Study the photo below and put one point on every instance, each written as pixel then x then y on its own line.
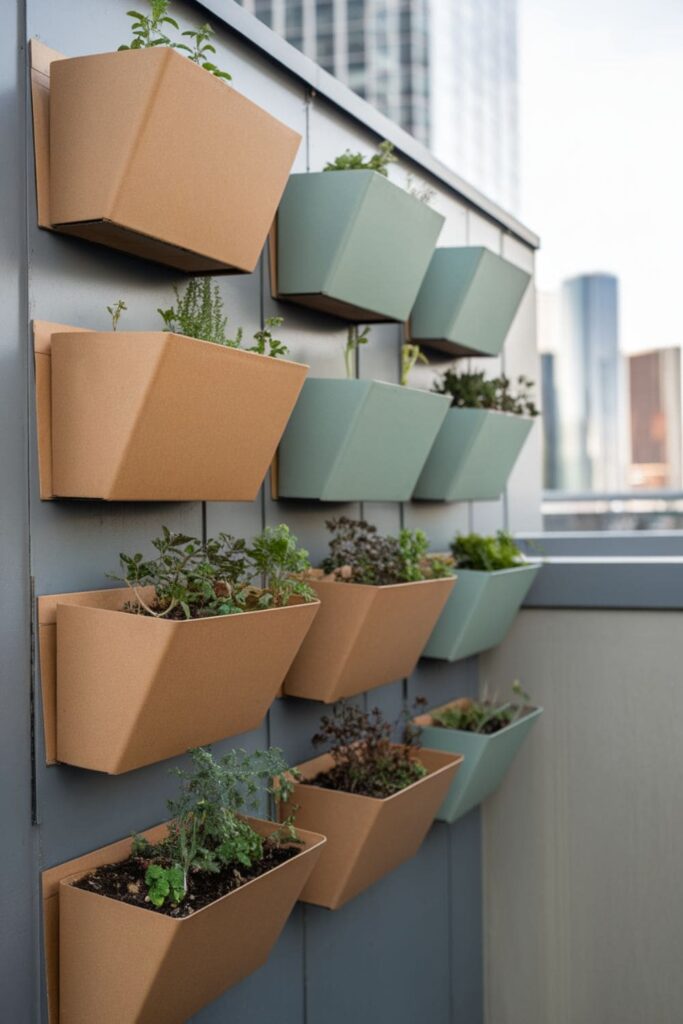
pixel 364 636
pixel 205 205
pixel 480 612
pixel 473 455
pixel 467 301
pixel 353 244
pixel 132 689
pixel 487 759
pixel 366 837
pixel 154 416
pixel 121 964
pixel 358 440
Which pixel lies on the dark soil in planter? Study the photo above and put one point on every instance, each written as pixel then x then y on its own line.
pixel 379 786
pixel 493 725
pixel 176 614
pixel 125 881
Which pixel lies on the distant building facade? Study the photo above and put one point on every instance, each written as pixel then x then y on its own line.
pixel 445 70
pixel 655 419
pixel 590 391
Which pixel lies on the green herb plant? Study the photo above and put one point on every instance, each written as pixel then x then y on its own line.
pixel 115 312
pixel 475 391
pixel 379 161
pixel 365 760
pixel 359 554
pixel 152 30
pixel 483 716
pixel 354 339
pixel 191 579
pixel 208 834
pixel 198 313
pixel 410 355
pixel 486 554
pixel 425 193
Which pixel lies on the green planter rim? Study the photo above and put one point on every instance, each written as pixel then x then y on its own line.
pixel 534 710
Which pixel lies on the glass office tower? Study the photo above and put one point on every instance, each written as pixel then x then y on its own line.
pixel 445 70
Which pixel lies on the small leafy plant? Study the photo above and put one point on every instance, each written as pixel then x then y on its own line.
pixel 366 761
pixel 152 30
pixel 475 391
pixel 483 716
pixel 425 193
pixel 359 554
pixel 486 554
pixel 210 848
pixel 198 313
pixel 354 339
pixel 410 355
pixel 192 580
pixel 379 161
pixel 115 312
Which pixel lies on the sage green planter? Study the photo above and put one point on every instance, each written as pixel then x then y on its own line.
pixel 467 301
pixel 353 244
pixel 479 611
pixel 473 455
pixel 487 760
pixel 357 440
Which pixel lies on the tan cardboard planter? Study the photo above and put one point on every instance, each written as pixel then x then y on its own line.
pixel 154 416
pixel 364 636
pixel 132 690
pixel 110 168
pixel 119 964
pixel 366 837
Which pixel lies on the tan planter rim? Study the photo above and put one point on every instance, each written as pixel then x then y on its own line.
pixel 311 841
pixel 382 586
pixel 449 761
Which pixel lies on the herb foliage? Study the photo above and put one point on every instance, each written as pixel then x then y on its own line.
pixel 359 554
pixel 483 716
pixel 354 339
pixel 366 761
pixel 475 391
pixel 486 554
pixel 198 313
pixel 208 833
pixel 379 161
pixel 152 29
pixel 410 355
pixel 192 579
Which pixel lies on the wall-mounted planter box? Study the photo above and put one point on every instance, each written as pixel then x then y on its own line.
pixel 480 612
pixel 358 440
pixel 113 963
pixel 473 455
pixel 366 837
pixel 353 244
pixel 467 301
pixel 487 759
pixel 364 636
pixel 132 689
pixel 153 416
pixel 107 145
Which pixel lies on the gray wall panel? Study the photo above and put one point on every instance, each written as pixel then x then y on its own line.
pixel 18 929
pixel 583 903
pixel 384 956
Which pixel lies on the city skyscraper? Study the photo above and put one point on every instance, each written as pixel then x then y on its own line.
pixel 445 70
pixel 590 398
pixel 549 421
pixel 655 386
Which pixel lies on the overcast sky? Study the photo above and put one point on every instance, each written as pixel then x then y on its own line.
pixel 602 151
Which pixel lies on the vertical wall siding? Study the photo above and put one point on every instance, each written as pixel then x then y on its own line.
pixel 582 843
pixel 409 948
